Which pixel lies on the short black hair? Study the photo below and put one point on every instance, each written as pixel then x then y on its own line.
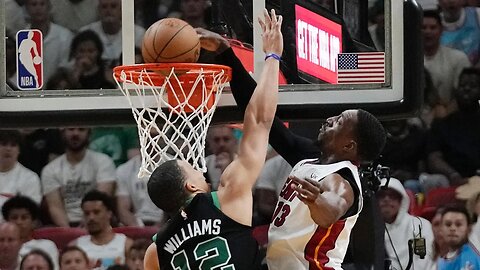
pixel 20 202
pixel 10 136
pixel 371 136
pixel 433 14
pixel 96 195
pixel 40 253
pixel 166 187
pixel 457 208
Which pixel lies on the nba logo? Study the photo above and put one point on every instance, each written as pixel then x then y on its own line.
pixel 29 59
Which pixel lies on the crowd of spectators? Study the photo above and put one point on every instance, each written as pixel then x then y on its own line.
pixel 87 177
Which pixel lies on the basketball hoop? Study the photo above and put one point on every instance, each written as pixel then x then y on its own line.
pixel 173 104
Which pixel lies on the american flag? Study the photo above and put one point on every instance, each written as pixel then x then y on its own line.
pixel 360 68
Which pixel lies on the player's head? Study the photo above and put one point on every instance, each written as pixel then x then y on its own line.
pixel 467 93
pixel 22 211
pixel 455 226
pixel 354 135
pixel 97 210
pixel 172 184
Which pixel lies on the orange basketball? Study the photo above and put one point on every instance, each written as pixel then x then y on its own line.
pixel 170 40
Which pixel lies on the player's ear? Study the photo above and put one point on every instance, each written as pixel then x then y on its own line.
pixel 351 147
pixel 190 187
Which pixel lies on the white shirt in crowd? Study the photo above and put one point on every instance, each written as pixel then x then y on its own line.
pixel 74 181
pixel 128 184
pixel 108 254
pixel 19 181
pixel 274 174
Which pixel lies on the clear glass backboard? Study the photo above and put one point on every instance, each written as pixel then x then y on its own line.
pixel 338 54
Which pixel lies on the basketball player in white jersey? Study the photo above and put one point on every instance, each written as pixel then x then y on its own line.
pixel 101 244
pixel 320 201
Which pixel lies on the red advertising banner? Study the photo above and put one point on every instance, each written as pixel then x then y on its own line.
pixel 319 41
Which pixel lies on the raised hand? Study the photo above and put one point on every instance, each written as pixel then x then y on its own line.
pixel 212 41
pixel 272 36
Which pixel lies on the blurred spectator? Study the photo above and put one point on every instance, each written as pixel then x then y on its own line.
pixel 15 15
pixel 70 176
pixel 267 189
pixel 223 147
pixel 24 212
pixel 119 143
pixel 440 247
pixel 62 79
pixel 461 28
pixel 88 68
pixel 377 27
pixel 195 12
pixel 461 254
pixel 443 63
pixel 135 208
pixel 10 60
pixel 137 253
pixel 73 14
pixel 39 147
pixel 36 260
pixel 400 227
pixel 14 177
pixel 148 12
pixel 473 205
pixel 404 151
pixel 428 4
pixel 453 144
pixel 471 193
pixel 9 246
pixel 101 244
pixel 56 38
pixel 473 3
pixel 74 258
pixel 109 30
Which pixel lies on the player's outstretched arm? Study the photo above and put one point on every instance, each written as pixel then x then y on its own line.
pixel 239 177
pixel 291 147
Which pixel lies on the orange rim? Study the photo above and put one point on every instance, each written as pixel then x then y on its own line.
pixel 157 72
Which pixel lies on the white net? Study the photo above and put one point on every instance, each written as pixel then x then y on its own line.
pixel 173 109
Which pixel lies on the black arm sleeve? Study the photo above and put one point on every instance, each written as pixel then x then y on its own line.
pixel 291 147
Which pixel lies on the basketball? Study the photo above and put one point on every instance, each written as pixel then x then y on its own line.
pixel 170 40
pixel 37 60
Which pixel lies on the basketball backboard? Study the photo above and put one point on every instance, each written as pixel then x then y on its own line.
pixel 315 33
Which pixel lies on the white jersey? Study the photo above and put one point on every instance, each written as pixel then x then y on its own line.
pixel 295 241
pixel 108 254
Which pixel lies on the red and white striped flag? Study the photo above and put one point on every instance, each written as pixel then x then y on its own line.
pixel 358 68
